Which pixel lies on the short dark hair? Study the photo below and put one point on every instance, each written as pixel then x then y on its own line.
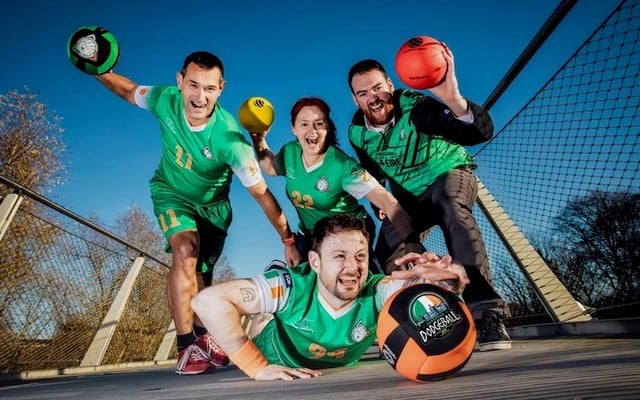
pixel 203 59
pixel 336 224
pixel 363 66
pixel 332 131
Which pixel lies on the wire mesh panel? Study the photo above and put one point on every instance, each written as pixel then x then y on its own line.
pixel 565 169
pixel 143 323
pixel 59 280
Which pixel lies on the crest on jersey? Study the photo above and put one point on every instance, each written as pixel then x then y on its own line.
pixel 359 332
pixel 323 184
pixel 302 325
pixel 207 153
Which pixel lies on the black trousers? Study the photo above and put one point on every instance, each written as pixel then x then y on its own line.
pixel 448 203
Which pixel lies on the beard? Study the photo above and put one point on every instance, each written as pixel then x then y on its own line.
pixel 379 112
pixel 344 293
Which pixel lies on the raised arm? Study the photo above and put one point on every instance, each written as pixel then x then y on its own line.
pixel 469 125
pixel 120 85
pixel 265 155
pixel 275 215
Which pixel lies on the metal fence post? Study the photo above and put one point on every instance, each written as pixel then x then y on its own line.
pixel 8 209
pixel 559 303
pixel 100 343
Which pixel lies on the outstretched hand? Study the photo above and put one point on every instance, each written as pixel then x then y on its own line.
pixel 438 270
pixel 273 372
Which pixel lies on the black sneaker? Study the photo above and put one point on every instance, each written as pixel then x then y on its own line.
pixel 492 335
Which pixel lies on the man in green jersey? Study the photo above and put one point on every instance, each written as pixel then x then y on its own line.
pixel 324 311
pixel 416 144
pixel 202 148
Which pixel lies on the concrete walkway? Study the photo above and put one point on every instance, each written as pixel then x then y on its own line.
pixel 532 369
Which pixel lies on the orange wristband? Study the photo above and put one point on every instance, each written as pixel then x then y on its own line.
pixel 249 359
pixel 290 240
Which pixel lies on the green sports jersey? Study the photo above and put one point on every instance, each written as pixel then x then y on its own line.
pixel 331 187
pixel 305 330
pixel 198 162
pixel 408 159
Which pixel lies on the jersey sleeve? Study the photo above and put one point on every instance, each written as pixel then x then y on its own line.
pixel 244 164
pixel 385 288
pixel 274 288
pixel 356 180
pixel 147 96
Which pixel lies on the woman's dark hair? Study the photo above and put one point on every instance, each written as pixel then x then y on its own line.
pixel 332 133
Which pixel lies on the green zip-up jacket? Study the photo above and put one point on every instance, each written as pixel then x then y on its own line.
pixel 426 141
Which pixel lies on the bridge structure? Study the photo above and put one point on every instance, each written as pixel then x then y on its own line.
pixel 558 207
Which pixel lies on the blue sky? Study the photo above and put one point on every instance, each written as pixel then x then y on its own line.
pixel 281 50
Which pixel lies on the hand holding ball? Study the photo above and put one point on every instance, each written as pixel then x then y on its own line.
pixel 256 114
pixel 425 333
pixel 420 63
pixel 93 50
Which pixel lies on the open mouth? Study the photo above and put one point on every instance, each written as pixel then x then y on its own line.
pixel 195 106
pixel 348 280
pixel 376 107
pixel 312 141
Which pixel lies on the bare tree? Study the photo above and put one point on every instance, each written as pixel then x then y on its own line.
pixel 223 271
pixel 31 147
pixel 31 153
pixel 89 271
pixel 141 229
pixel 597 250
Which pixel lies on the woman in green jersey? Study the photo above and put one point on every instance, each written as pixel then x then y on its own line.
pixel 322 180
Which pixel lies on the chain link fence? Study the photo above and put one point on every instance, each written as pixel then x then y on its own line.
pixel 565 168
pixel 60 277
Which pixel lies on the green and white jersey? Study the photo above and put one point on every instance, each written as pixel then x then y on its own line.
pixel 306 331
pixel 408 159
pixel 330 187
pixel 198 162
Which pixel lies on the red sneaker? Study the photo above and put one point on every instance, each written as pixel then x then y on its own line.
pixel 192 360
pixel 217 357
